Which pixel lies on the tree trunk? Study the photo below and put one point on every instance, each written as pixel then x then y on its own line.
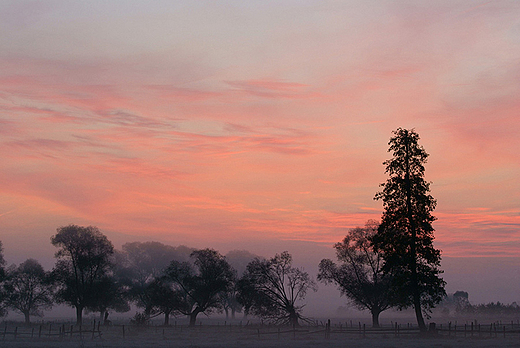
pixel 375 317
pixel 79 315
pixel 413 244
pixel 293 319
pixel 418 311
pixel 227 313
pixel 166 318
pixel 27 318
pixel 233 311
pixel 193 317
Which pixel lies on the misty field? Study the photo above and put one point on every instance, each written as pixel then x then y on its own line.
pixel 235 335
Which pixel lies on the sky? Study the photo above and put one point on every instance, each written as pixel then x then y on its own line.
pixel 255 124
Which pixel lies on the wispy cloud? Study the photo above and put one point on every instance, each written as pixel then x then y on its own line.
pixel 183 125
pixel 273 89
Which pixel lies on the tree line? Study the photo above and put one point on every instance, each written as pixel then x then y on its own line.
pixel 90 275
pixel 386 264
pixel 458 304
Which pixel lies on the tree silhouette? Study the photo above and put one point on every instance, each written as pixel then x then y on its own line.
pixel 3 310
pixel 229 299
pixel 272 288
pixel 201 282
pixel 165 298
pixel 109 294
pixel 360 275
pixel 140 264
pixel 2 262
pixel 461 299
pixel 29 289
pixel 83 263
pixel 238 259
pixel 405 235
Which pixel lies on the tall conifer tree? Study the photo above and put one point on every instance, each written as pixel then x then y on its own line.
pixel 405 235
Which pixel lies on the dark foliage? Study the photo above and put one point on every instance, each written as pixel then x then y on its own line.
pixel 82 267
pixel 110 295
pixel 405 235
pixel 3 310
pixel 165 299
pixel 200 283
pixel 29 289
pixel 360 275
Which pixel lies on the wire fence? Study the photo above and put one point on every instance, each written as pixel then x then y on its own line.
pixel 323 330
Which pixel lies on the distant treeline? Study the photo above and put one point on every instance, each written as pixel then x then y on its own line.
pixel 458 304
pixel 492 309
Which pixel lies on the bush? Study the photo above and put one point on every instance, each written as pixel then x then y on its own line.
pixel 140 319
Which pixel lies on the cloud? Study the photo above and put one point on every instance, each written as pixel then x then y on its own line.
pixel 273 89
pixel 183 94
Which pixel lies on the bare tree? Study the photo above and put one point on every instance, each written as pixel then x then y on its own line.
pixel 29 289
pixel 360 275
pixel 83 262
pixel 272 288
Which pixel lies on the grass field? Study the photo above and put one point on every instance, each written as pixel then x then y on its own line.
pixel 262 336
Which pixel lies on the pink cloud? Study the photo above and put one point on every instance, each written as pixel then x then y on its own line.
pixel 273 89
pixel 184 94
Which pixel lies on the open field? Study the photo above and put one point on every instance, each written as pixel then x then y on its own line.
pixel 64 335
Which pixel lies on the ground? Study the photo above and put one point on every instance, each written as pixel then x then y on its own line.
pixel 243 336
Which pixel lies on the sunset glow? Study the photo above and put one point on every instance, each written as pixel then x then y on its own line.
pixel 206 123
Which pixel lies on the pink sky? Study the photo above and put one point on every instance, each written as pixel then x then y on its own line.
pixel 225 123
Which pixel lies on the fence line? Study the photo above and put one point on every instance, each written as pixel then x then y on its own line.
pixel 56 331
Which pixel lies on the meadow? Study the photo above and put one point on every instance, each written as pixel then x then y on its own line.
pixel 222 333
